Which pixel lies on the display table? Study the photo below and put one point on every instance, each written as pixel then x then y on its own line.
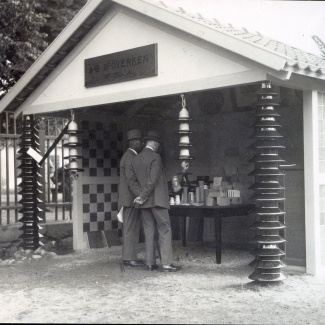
pixel 203 211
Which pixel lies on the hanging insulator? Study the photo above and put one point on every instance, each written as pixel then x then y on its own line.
pixel 72 144
pixel 73 126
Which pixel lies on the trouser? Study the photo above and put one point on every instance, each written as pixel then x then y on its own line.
pixel 156 220
pixel 131 232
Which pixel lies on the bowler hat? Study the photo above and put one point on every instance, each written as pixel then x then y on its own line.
pixel 153 135
pixel 133 134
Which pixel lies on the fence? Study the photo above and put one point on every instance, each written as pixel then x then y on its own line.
pixel 55 182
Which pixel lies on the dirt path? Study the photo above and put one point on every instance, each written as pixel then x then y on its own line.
pixel 92 287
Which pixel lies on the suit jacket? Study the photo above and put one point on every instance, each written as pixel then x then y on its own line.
pixel 148 179
pixel 126 197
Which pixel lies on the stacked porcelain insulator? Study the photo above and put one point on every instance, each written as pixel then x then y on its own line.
pixel 73 144
pixel 30 186
pixel 184 145
pixel 269 193
pixel 184 133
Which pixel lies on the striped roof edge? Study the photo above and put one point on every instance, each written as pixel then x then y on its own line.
pixel 295 57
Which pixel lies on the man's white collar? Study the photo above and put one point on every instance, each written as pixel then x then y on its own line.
pixel 133 151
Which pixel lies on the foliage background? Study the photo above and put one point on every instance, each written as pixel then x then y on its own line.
pixel 27 27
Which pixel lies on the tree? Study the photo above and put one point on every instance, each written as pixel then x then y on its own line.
pixel 21 40
pixel 59 13
pixel 27 27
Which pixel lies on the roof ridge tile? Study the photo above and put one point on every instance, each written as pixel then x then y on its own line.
pixel 294 56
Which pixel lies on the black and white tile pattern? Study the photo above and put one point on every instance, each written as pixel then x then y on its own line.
pixel 102 148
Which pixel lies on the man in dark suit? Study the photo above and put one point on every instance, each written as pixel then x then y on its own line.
pixel 149 183
pixel 131 216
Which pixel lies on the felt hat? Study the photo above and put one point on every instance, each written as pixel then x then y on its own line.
pixel 153 135
pixel 133 134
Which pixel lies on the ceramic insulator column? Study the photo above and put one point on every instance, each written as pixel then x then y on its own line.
pixel 31 187
pixel 268 192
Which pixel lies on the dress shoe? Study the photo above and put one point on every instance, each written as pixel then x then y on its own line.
pixel 170 268
pixel 133 263
pixel 152 267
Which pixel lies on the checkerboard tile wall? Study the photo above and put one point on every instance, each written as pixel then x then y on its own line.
pixel 100 207
pixel 102 148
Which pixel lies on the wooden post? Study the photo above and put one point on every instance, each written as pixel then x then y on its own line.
pixel 79 237
pixel 311 168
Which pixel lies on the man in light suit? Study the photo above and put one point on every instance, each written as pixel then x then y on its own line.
pixel 131 216
pixel 149 184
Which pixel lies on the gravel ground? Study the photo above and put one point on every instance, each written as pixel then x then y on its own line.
pixel 93 287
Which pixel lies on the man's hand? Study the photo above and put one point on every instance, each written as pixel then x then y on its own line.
pixel 138 200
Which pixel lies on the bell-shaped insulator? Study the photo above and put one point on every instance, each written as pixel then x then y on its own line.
pixel 267 225
pixel 266 111
pixel 267 144
pixel 264 158
pixel 268 121
pixel 267 210
pixel 268 132
pixel 266 171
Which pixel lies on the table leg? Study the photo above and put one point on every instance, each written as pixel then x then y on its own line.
pixel 218 232
pixel 183 229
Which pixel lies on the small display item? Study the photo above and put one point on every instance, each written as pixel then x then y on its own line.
pixel 223 201
pixel 176 187
pixel 217 182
